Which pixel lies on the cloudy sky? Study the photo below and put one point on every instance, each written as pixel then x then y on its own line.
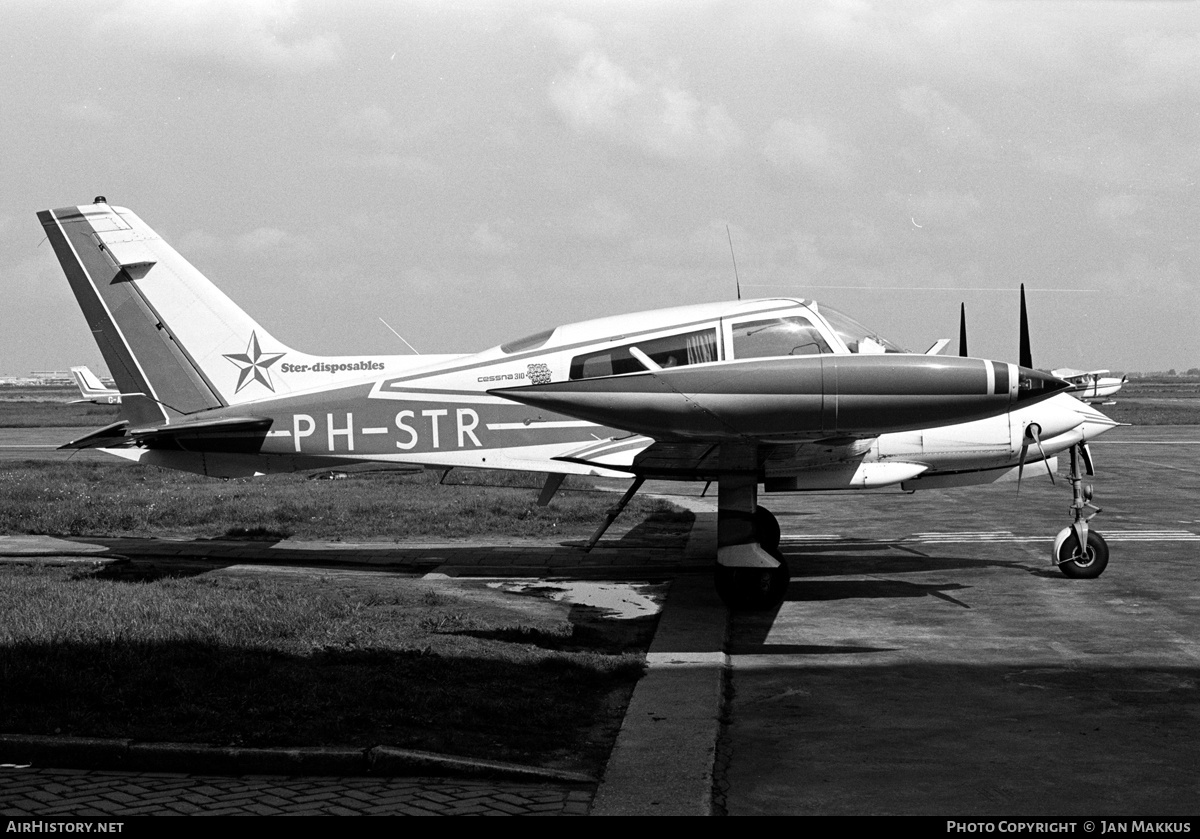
pixel 475 171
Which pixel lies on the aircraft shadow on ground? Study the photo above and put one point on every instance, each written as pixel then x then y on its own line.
pixel 187 559
pixel 589 632
pixel 853 561
pixel 804 649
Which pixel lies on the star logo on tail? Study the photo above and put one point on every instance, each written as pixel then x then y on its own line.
pixel 254 365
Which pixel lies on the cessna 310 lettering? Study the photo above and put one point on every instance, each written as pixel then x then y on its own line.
pixel 779 393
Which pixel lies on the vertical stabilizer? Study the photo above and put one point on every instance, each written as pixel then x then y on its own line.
pixel 167 334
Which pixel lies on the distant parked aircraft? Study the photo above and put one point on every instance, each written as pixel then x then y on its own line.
pixel 91 388
pixel 1090 385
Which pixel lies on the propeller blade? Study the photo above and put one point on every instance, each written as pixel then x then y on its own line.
pixel 1026 352
pixel 1033 432
pixel 1037 438
pixel 962 330
pixel 1088 466
pixel 1021 466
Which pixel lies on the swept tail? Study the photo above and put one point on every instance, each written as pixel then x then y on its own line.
pixel 172 340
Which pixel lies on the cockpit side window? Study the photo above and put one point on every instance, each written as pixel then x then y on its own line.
pixel 777 336
pixel 670 351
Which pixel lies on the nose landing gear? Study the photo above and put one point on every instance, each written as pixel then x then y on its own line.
pixel 1080 552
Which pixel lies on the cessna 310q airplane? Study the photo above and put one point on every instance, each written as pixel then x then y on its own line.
pixel 779 393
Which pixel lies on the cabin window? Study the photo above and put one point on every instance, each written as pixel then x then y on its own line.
pixel 670 351
pixel 777 336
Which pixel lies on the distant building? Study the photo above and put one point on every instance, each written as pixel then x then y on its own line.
pixel 47 378
pixel 52 377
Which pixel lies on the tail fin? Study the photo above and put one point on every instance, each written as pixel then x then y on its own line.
pixel 174 343
pixel 92 389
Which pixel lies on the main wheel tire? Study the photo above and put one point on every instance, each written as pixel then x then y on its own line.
pixel 1082 565
pixel 766 527
pixel 753 589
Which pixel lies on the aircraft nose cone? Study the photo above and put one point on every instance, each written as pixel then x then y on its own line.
pixel 1094 422
pixel 1034 385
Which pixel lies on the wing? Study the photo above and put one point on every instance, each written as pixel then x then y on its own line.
pixel 837 463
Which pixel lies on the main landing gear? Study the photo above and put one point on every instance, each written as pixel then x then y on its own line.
pixel 1080 552
pixel 751 572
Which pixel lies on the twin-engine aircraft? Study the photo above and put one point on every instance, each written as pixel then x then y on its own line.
pixel 777 393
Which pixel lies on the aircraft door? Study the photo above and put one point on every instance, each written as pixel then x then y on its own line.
pixel 790 333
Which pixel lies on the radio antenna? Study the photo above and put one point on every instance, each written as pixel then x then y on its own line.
pixel 398 335
pixel 736 278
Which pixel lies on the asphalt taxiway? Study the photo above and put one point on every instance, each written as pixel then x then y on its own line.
pixel 927 660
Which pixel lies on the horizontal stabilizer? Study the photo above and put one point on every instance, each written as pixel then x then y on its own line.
pixel 224 425
pixel 225 433
pixel 101 438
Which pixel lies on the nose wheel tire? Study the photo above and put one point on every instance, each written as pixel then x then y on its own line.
pixel 1079 564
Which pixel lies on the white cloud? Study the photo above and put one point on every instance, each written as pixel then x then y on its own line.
pixel 261 239
pixel 371 123
pixel 652 113
pixel 602 219
pixel 597 94
pixel 940 207
pixel 1108 157
pixel 798 251
pixel 807 148
pixel 412 166
pixel 1123 214
pixel 1141 275
pixel 573 36
pixel 1160 64
pixel 249 35
pixel 488 241
pixel 945 125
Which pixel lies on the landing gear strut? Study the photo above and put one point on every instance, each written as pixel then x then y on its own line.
pixel 751 573
pixel 1079 552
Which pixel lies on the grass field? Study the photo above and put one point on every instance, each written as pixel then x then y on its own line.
pixel 101 498
pixel 307 659
pixel 1157 401
pixel 312 658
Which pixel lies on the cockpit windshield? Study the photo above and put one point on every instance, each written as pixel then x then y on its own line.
pixel 857 337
